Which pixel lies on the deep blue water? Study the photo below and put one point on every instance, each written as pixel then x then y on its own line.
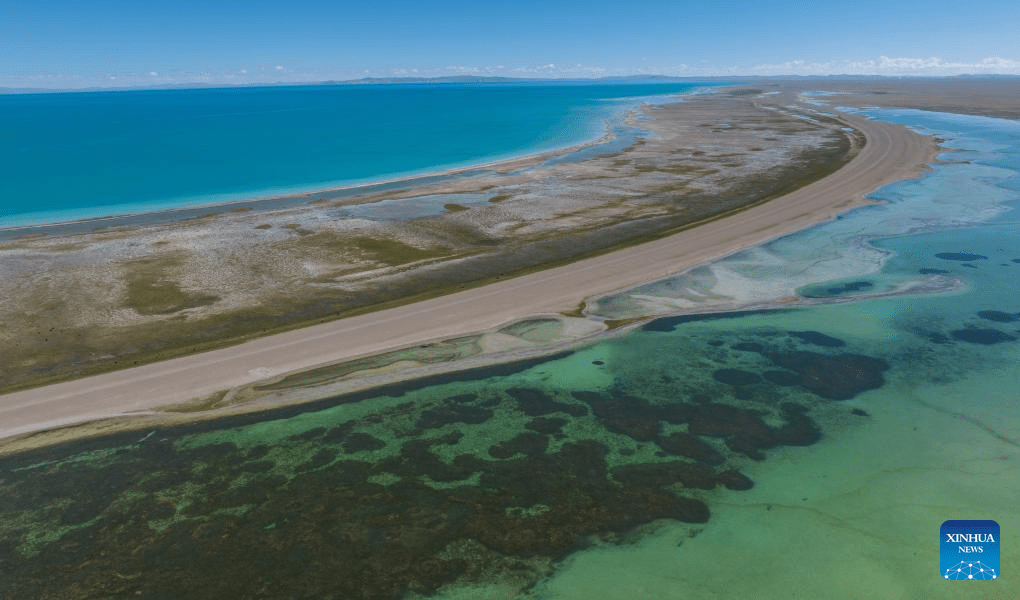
pixel 76 155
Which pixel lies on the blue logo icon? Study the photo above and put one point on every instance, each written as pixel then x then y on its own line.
pixel 969 550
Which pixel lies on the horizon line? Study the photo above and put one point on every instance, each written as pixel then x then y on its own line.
pixel 375 80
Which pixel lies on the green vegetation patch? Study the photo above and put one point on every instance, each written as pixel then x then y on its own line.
pixel 393 252
pixel 150 290
pixel 675 169
pixel 745 92
pixel 196 405
pixel 452 207
pixel 577 311
pixel 618 323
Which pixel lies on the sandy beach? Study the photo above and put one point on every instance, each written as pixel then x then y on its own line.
pixel 892 153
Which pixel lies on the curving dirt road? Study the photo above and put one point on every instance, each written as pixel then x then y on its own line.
pixel 892 153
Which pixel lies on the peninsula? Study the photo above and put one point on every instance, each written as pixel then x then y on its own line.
pixel 534 238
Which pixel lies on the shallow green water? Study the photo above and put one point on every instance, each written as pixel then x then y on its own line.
pixel 810 452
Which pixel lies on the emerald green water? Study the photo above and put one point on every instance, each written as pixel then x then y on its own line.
pixel 807 452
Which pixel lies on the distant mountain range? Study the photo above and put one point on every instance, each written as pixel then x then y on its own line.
pixel 490 79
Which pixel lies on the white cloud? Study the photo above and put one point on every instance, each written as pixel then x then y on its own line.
pixel 551 70
pixel 882 65
pixel 463 70
pixel 885 65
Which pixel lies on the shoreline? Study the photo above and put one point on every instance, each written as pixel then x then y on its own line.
pixel 296 197
pixel 892 153
pixel 340 190
pixel 363 384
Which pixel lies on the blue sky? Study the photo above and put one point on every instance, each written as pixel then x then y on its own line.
pixel 60 43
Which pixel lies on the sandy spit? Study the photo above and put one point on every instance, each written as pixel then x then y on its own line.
pixel 892 153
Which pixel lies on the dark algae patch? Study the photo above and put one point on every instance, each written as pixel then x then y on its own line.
pixel 547 425
pixel 985 337
pixel 453 413
pixel 743 430
pixel 782 378
pixel 691 446
pixel 998 316
pixel 529 444
pixel 536 403
pixel 839 377
pixel 359 442
pixel 817 339
pixel 960 256
pixel 667 324
pixel 849 287
pixel 736 377
pixel 852 286
pixel 624 414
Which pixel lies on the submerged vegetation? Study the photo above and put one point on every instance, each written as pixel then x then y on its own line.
pixel 484 478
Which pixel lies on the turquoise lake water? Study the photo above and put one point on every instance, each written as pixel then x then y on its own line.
pixel 807 452
pixel 81 155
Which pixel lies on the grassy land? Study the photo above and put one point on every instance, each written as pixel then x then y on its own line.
pixel 152 290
